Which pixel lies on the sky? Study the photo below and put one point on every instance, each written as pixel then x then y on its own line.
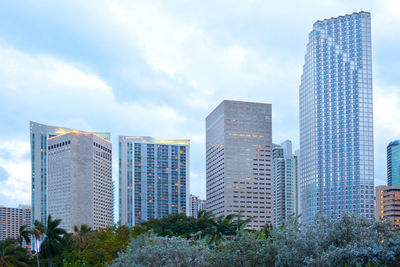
pixel 158 68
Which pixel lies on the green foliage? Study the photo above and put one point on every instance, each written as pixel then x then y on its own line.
pixel 152 250
pixel 24 235
pixel 11 254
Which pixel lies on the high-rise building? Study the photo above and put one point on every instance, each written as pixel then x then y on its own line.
pixel 11 219
pixel 195 205
pixel 285 183
pixel 153 178
pixel 336 132
pixel 39 134
pixel 238 161
pixel 388 204
pixel 393 163
pixel 79 181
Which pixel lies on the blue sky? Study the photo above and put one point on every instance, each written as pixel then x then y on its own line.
pixel 157 68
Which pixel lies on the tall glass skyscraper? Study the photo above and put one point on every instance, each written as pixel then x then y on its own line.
pixel 153 178
pixel 393 163
pixel 336 131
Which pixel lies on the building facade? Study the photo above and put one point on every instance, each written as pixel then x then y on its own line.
pixel 11 219
pixel 80 188
pixel 393 163
pixel 238 161
pixel 153 178
pixel 39 135
pixel 388 204
pixel 336 123
pixel 285 183
pixel 195 205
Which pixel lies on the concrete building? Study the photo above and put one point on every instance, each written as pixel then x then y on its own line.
pixel 11 219
pixel 285 183
pixel 238 161
pixel 153 178
pixel 393 163
pixel 336 120
pixel 388 204
pixel 195 205
pixel 39 134
pixel 80 188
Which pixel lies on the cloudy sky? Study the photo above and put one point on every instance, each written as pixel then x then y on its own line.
pixel 157 68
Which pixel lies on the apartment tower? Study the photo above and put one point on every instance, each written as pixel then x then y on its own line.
pixel 153 178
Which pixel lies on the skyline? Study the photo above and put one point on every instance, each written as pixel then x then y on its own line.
pixel 74 77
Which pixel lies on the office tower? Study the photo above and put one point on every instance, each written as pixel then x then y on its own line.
pixel 387 207
pixel 336 132
pixel 238 161
pixel 39 134
pixel 393 163
pixel 80 189
pixel 11 219
pixel 195 205
pixel 153 178
pixel 284 181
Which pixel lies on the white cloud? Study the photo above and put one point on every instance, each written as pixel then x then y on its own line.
pixel 16 188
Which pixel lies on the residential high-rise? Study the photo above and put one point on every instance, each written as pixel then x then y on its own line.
pixel 336 131
pixel 39 134
pixel 11 219
pixel 238 161
pixel 387 204
pixel 195 205
pixel 153 178
pixel 393 163
pixel 79 181
pixel 285 182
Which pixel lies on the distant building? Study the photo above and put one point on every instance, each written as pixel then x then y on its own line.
pixel 388 204
pixel 285 183
pixel 153 178
pixel 195 205
pixel 336 119
pixel 11 219
pixel 80 188
pixel 393 163
pixel 39 134
pixel 238 161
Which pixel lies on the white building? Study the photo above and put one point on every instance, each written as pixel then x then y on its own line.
pixel 11 219
pixel 80 188
pixel 195 205
pixel 238 161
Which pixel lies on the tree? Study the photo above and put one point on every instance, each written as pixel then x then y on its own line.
pixel 54 242
pixel 12 255
pixel 24 235
pixel 80 236
pixel 152 250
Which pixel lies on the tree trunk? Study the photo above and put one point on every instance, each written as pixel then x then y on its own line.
pixel 49 262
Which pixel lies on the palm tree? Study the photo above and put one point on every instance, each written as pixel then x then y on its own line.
pixel 80 236
pixel 53 242
pixel 24 235
pixel 11 254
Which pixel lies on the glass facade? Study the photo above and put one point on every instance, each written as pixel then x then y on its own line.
pixel 336 125
pixel 154 178
pixel 393 163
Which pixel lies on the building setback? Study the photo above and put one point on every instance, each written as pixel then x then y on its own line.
pixel 336 125
pixel 238 161
pixel 388 204
pixel 285 183
pixel 11 219
pixel 153 178
pixel 393 163
pixel 80 188
pixel 39 134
